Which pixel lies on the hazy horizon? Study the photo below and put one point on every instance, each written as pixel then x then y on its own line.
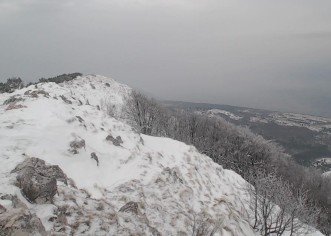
pixel 258 54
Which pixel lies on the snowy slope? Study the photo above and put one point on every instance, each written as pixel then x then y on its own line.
pixel 216 112
pixel 171 186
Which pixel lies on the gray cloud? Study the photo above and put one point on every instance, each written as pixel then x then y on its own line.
pixel 314 35
pixel 265 54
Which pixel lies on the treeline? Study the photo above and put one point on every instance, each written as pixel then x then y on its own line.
pixel 60 78
pixel 11 85
pixel 15 83
pixel 260 162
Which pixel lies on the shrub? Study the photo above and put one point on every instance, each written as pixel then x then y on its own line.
pixel 60 78
pixel 11 85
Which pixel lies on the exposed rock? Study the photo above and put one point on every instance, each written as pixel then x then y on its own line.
pixel 15 201
pixel 92 86
pixel 37 188
pixel 76 145
pixel 56 172
pixel 119 139
pixel 170 175
pixel 38 180
pixel 13 99
pixel 95 157
pixel 142 141
pixel 35 93
pixel 65 99
pixel 13 106
pixel 20 222
pixel 107 84
pixel 116 141
pixel 73 151
pixel 130 207
pixel 80 119
pixel 27 92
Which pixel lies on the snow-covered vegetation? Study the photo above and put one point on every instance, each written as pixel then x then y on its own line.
pixel 305 137
pixel 77 158
pixel 249 155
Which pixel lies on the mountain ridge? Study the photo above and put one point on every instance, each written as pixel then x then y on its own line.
pixel 147 185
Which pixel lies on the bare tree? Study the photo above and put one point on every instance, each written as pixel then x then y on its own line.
pixel 109 107
pixel 143 111
pixel 277 209
pixel 325 201
pixel 204 226
pixel 11 85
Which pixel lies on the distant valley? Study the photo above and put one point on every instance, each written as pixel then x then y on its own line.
pixel 305 137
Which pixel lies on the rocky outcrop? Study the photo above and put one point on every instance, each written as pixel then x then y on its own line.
pixel 66 100
pixel 20 222
pixel 80 119
pixel 37 180
pixel 13 106
pixel 12 103
pixel 95 157
pixel 15 201
pixel 35 93
pixel 170 175
pixel 116 141
pixel 130 207
pixel 76 145
pixel 13 99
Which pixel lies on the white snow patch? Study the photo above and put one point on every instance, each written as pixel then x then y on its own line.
pixel 217 112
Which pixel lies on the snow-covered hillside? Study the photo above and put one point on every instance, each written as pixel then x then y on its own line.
pixel 216 112
pixel 119 181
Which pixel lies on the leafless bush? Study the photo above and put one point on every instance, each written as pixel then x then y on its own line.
pixel 277 209
pixel 325 199
pixel 143 111
pixel 108 107
pixel 204 226
pixel 11 85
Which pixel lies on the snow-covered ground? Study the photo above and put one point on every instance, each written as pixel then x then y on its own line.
pixel 217 112
pixel 313 123
pixel 258 119
pixel 170 184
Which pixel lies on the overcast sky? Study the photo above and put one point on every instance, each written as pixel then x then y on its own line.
pixel 273 54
